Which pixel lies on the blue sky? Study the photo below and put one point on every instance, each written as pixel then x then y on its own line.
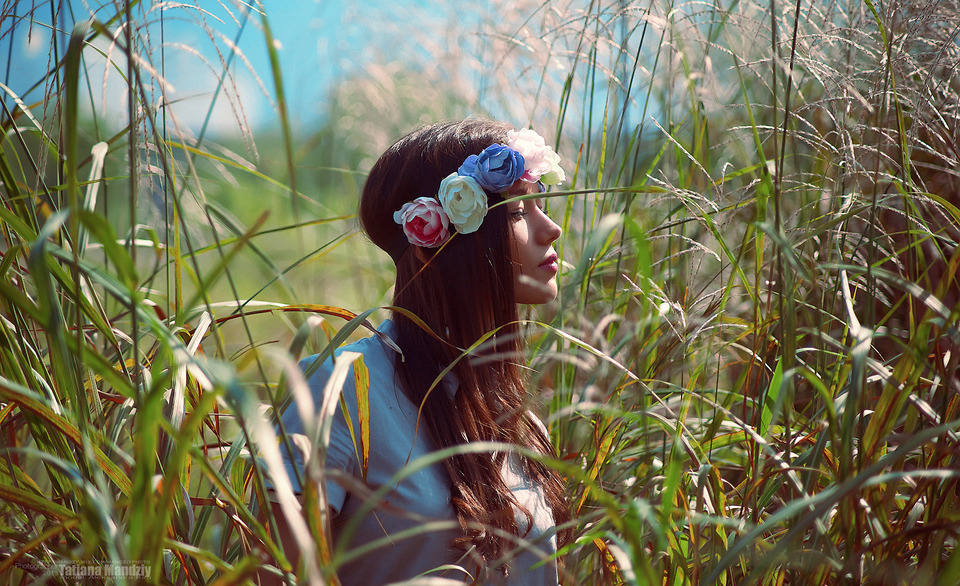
pixel 317 41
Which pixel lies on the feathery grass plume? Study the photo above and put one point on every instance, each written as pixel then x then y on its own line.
pixel 785 294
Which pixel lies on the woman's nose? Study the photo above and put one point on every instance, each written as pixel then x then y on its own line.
pixel 550 230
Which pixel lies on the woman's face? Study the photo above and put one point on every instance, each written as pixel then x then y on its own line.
pixel 532 233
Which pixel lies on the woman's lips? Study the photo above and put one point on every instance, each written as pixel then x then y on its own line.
pixel 550 264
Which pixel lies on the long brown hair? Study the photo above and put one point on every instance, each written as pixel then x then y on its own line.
pixel 463 291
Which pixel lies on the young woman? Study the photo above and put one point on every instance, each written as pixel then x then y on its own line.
pixel 446 203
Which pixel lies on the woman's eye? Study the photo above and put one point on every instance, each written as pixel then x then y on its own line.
pixel 518 214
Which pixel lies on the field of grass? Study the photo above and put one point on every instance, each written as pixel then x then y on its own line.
pixel 750 372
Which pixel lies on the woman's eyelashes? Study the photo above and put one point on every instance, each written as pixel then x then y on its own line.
pixel 522 210
pixel 517 210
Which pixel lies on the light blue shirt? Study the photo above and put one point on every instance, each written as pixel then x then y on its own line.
pixel 420 499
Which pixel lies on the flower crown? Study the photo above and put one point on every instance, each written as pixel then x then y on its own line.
pixel 462 198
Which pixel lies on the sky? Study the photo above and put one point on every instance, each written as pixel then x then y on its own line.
pixel 316 41
pixel 186 47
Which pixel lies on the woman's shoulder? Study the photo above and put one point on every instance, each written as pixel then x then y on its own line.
pixel 375 387
pixel 340 374
pixel 378 351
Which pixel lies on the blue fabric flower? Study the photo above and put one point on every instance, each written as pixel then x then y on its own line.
pixel 495 169
pixel 469 167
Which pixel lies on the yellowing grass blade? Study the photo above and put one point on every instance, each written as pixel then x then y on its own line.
pixel 361 379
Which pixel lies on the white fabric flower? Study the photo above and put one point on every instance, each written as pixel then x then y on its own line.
pixel 464 201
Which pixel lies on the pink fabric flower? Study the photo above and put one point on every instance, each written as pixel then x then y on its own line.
pixel 424 222
pixel 541 162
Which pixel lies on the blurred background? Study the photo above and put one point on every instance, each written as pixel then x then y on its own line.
pixel 353 80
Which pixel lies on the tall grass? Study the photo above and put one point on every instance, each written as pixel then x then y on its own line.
pixel 783 303
pixel 750 372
